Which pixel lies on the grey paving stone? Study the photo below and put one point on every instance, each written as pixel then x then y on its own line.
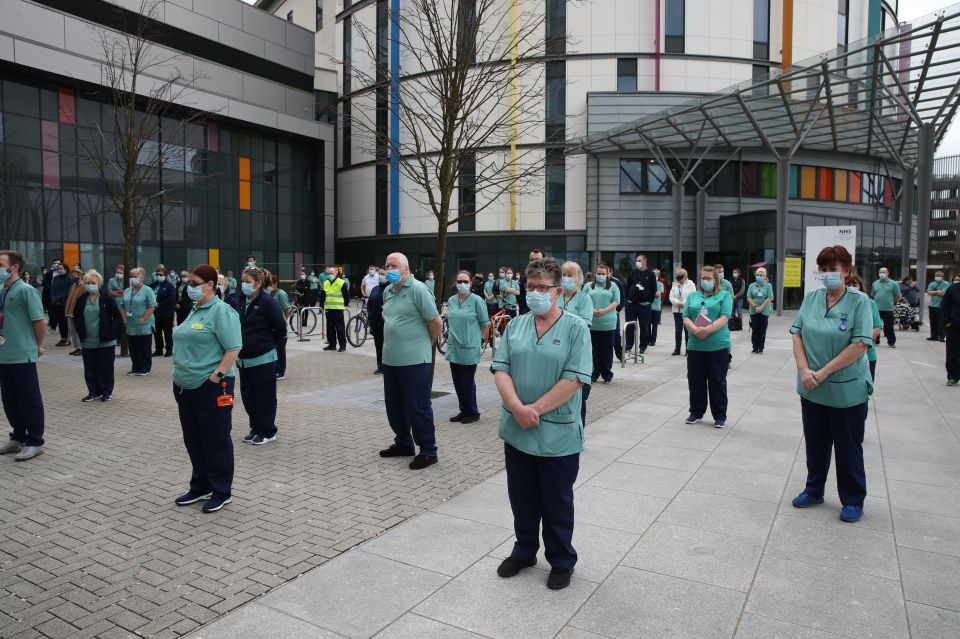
pixel 617 431
pixel 594 459
pixel 411 626
pixel 570 632
pixel 931 579
pixel 253 621
pixel 923 531
pixel 355 595
pixel 521 607
pixel 719 480
pixel 757 627
pixel 637 603
pixel 660 456
pixel 697 555
pixel 742 456
pixel 696 436
pixel 850 604
pixel 876 511
pixel 645 480
pixel 486 503
pixel 436 542
pixel 627 512
pixel 938 500
pixel 835 545
pixel 719 513
pixel 927 622
pixel 922 472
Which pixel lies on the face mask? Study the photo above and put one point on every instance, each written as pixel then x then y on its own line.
pixel 939 279
pixel 832 280
pixel 248 288
pixel 371 272
pixel 539 303
pixel 383 279
pixel 249 264
pixel 331 276
pixel 854 288
pixel 393 275
pixel 736 275
pixel 509 276
pixel 159 277
pixel 134 281
pixel 183 279
pixel 883 276
pixel 462 288
pixel 601 279
pixel 195 293
pixel 568 283
pixel 90 288
pixel 720 274
pixel 220 288
pixel 119 275
pixel 5 274
pixel 707 285
pixel 430 277
pixel 640 266
pixel 490 277
pixel 502 275
pixel 760 279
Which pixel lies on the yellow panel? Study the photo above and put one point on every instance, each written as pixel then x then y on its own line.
pixel 245 169
pixel 808 182
pixel 840 185
pixel 71 254
pixel 244 196
pixel 213 256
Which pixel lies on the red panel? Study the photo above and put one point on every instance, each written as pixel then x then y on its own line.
pixel 67 101
pixel 887 193
pixel 856 188
pixel 824 184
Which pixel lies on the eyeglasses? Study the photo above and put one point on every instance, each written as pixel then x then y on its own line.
pixel 541 289
pixel 463 281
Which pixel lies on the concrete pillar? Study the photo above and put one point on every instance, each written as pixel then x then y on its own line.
pixel 677 202
pixel 701 227
pixel 927 146
pixel 783 201
pixel 906 219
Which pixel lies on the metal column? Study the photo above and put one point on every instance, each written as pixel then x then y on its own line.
pixel 783 195
pixel 906 220
pixel 677 202
pixel 701 227
pixel 927 147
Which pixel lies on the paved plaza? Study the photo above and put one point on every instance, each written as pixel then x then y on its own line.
pixel 682 531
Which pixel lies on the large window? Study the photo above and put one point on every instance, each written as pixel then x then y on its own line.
pixel 674 42
pixel 643 177
pixel 319 14
pixel 761 73
pixel 556 190
pixel 346 139
pixel 556 27
pixel 556 97
pixel 843 34
pixel 467 193
pixel 626 75
pixel 761 29
pixel 325 106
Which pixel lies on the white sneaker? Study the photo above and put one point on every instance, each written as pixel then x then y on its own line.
pixel 28 452
pixel 260 440
pixel 12 446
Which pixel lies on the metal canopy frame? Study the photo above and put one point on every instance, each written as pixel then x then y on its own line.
pixel 890 97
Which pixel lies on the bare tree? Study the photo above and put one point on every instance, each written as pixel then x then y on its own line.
pixel 471 113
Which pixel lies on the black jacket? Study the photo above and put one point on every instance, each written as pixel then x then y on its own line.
pixel 522 297
pixel 641 279
pixel 166 299
pixel 616 280
pixel 110 318
pixel 261 323
pixel 950 307
pixel 375 306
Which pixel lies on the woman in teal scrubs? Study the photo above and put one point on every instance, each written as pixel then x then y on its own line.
pixel 760 300
pixel 580 304
pixel 705 316
pixel 281 298
pixel 855 282
pixel 543 360
pixel 139 303
pixel 468 321
pixel 97 320
pixel 605 296
pixel 831 335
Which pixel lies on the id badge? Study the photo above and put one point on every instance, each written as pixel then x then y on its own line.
pixel 3 340
pixel 224 400
pixel 843 322
pixel 129 313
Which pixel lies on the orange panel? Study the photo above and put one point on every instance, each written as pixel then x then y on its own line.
pixel 71 254
pixel 244 196
pixel 840 186
pixel 213 257
pixel 824 184
pixel 855 186
pixel 808 182
pixel 245 169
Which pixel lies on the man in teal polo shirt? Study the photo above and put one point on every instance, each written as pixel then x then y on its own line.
pixel 885 292
pixel 936 290
pixel 411 324
pixel 21 335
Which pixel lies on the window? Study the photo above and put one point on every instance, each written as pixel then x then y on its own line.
pixel 467 36
pixel 346 137
pixel 556 27
pixel 325 106
pixel 556 190
pixel 761 29
pixel 674 26
pixel 761 73
pixel 644 177
pixel 319 14
pixel 289 16
pixel 631 176
pixel 626 75
pixel 657 180
pixel 556 97
pixel 824 184
pixel 808 182
pixel 467 193
pixel 843 36
pixel 382 199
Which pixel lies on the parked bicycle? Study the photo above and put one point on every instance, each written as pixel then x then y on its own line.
pixel 358 326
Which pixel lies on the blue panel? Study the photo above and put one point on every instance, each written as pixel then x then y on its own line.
pixel 394 115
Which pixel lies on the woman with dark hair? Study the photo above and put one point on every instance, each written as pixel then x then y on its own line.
pixel 831 336
pixel 605 297
pixel 468 321
pixel 705 316
pixel 855 282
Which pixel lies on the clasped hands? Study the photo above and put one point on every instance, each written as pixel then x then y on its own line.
pixel 811 379
pixel 526 415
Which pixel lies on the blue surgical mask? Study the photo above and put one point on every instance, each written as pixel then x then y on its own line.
pixel 502 275
pixel 883 276
pixel 707 285
pixel 195 293
pixel 600 279
pixel 248 288
pixel 539 303
pixel 383 279
pixel 134 281
pixel 269 289
pixel 568 283
pixel 760 279
pixel 5 274
pixel 463 289
pixel 509 277
pixel 90 288
pixel 393 275
pixel 490 278
pixel 832 280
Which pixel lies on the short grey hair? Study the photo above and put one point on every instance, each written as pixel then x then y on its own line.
pixel 546 267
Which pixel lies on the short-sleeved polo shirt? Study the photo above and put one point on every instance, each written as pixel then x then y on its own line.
pixel 602 297
pixel 208 332
pixel 465 322
pixel 936 300
pixel 508 300
pixel 716 306
pixel 135 304
pixel 657 303
pixel 115 284
pixel 826 333
pixel 406 312
pixel 282 299
pixel 884 292
pixel 725 285
pixel 536 364
pixel 580 305
pixel 314 282
pixel 21 308
pixel 759 293
pixel 91 322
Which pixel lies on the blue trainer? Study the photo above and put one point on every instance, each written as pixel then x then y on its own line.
pixel 805 500
pixel 693 419
pixel 851 514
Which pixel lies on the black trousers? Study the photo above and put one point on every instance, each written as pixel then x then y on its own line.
pixel 640 312
pixel 584 395
pixel 888 330
pixel 406 393
pixel 22 403
pixel 707 378
pixel 654 325
pixel 58 318
pixel 206 434
pixel 258 387
pixel 680 331
pixel 465 384
pixel 839 429
pixel 378 344
pixel 602 342
pixel 139 347
pixel 541 489
pixel 336 330
pixel 936 323
pixel 953 353
pixel 163 335
pixel 758 330
pixel 98 369
pixel 183 312
pixel 282 357
pixel 617 340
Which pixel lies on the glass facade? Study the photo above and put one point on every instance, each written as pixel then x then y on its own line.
pixel 761 29
pixel 227 189
pixel 626 75
pixel 675 28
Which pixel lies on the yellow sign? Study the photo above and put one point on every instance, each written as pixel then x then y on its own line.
pixel 793 272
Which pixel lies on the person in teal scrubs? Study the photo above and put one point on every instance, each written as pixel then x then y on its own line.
pixel 208 344
pixel 97 320
pixel 760 301
pixel 139 303
pixel 935 290
pixel 855 283
pixel 231 285
pixel 831 337
pixel 489 296
pixel 580 304
pixel 605 296
pixel 115 286
pixel 705 316
pixel 280 297
pixel 468 323
pixel 509 289
pixel 656 308
pixel 886 293
pixel 543 360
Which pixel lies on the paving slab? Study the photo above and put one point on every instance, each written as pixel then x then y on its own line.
pixel 923 531
pixel 645 480
pixel 931 579
pixel 616 510
pixel 411 626
pixel 732 516
pixel 927 622
pixel 757 627
pixel 720 480
pixel 251 622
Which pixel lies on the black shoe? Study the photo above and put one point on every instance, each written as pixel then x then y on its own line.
pixel 458 417
pixel 652 344
pixel 191 497
pixel 76 352
pixel 469 419
pixel 215 503
pixel 396 451
pixel 106 398
pixel 559 578
pixel 932 339
pixel 419 462
pixel 342 349
pixel 643 350
pixel 753 352
pixel 942 339
pixel 168 354
pixel 330 348
pixel 510 567
pixel 249 437
pixel 676 352
pixel 90 397
pixel 157 354
pixel 379 371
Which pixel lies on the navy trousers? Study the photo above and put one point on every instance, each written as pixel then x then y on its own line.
pixel 541 489
pixel 680 331
pixel 654 325
pixel 936 326
pixel 336 329
pixel 640 312
pixel 98 369
pixel 258 387
pixel 141 358
pixel 378 345
pixel 617 341
pixel 466 387
pixel 953 352
pixel 758 330
pixel 839 429
pixel 888 330
pixel 22 403
pixel 707 377
pixel 282 357
pixel 602 342
pixel 406 392
pixel 584 394
pixel 873 370
pixel 206 434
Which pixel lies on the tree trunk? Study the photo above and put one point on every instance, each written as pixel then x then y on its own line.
pixel 129 250
pixel 439 268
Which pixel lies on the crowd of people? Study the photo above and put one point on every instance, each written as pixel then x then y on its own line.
pixel 561 339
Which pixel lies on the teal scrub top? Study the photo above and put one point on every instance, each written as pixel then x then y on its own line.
pixel 759 294
pixel 314 282
pixel 406 312
pixel 116 284
pixel 430 284
pixel 725 285
pixel 825 334
pixel 508 301
pixel 580 305
pixel 877 323
pixel 657 304
pixel 465 322
pixel 231 285
pixel 21 308
pixel 884 292
pixel 135 305
pixel 208 332
pixel 488 288
pixel 282 299
pixel 603 297
pixel 91 321
pixel 716 305
pixel 536 365
pixel 935 300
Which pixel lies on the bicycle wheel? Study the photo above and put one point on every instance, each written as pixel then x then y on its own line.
pixel 309 321
pixel 442 338
pixel 294 321
pixel 357 330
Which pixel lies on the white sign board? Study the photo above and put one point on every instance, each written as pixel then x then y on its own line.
pixel 818 238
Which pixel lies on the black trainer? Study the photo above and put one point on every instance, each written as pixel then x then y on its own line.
pixel 396 451
pixel 191 497
pixel 330 348
pixel 559 578
pixel 216 503
pixel 510 567
pixel 421 461
pixel 459 417
pixel 469 419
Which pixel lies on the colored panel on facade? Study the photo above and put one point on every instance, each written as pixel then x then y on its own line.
pixel 213 257
pixel 67 105
pixel 855 187
pixel 808 182
pixel 749 180
pixel 297 262
pixel 887 193
pixel 824 184
pixel 71 254
pixel 244 171
pixel 213 137
pixel 50 153
pixel 840 187
pixel 794 182
pixel 768 180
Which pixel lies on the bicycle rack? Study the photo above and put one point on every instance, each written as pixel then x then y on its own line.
pixel 637 356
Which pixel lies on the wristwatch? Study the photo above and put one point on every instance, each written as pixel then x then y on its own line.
pixel 219 374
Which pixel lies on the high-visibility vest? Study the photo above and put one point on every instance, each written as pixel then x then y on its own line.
pixel 334 295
